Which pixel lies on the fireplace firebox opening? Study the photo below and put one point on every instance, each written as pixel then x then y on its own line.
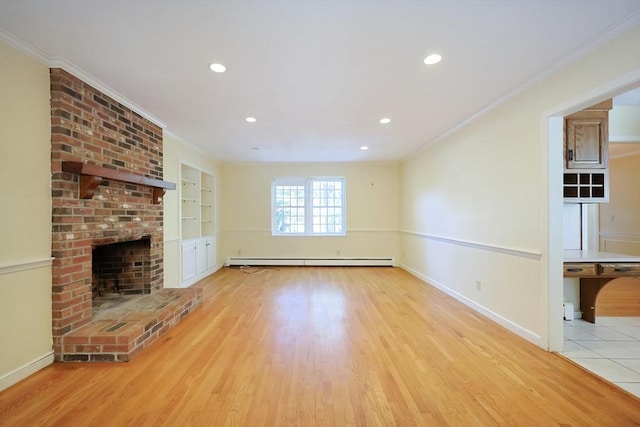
pixel 121 268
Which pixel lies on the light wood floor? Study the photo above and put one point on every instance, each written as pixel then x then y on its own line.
pixel 324 347
pixel 620 297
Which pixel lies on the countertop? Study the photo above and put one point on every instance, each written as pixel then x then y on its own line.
pixel 577 255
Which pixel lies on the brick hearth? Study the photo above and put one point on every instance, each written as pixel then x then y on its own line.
pixel 126 325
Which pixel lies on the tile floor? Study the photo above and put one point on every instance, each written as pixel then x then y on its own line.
pixel 609 348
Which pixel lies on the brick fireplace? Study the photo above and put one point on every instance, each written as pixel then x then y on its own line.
pixel 90 128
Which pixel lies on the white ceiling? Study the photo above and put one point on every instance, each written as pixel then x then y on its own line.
pixel 317 75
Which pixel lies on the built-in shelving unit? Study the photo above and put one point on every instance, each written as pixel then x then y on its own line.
pixel 585 185
pixel 197 214
pixel 189 201
pixel 207 214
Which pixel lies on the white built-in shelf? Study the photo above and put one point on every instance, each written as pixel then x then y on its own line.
pixel 198 203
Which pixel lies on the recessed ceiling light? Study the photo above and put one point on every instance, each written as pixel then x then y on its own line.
pixel 385 120
pixel 364 148
pixel 218 68
pixel 251 119
pixel 432 59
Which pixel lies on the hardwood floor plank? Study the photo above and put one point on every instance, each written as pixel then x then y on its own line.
pixel 320 346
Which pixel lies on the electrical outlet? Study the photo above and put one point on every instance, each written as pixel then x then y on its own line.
pixel 478 285
pixel 338 252
pixel 239 252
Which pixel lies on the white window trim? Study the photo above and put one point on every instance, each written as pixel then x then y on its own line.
pixel 308 208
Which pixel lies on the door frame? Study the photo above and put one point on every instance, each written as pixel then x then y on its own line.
pixel 552 152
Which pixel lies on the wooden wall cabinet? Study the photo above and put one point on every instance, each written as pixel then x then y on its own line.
pixel 586 154
pixel 587 140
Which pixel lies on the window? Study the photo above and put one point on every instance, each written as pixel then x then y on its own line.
pixel 308 206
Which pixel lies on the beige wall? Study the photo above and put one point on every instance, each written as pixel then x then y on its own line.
pixel 620 218
pixel 475 204
pixel 372 211
pixel 25 215
pixel 175 153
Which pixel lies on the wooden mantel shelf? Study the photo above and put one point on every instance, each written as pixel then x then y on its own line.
pixel 91 177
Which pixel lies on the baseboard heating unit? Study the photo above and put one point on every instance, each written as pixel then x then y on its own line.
pixel 373 262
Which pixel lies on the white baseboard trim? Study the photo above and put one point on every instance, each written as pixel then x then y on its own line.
pixel 327 262
pixel 13 377
pixel 506 323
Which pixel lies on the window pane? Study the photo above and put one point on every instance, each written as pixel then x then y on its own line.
pixel 326 206
pixel 289 210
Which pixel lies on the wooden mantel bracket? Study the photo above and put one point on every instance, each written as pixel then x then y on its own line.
pixel 89 185
pixel 91 177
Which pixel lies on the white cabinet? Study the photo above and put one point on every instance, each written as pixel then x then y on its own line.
pixel 211 252
pixel 198 225
pixel 198 259
pixel 201 256
pixel 188 261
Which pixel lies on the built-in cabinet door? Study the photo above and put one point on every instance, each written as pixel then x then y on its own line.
pixel 201 256
pixel 211 253
pixel 587 142
pixel 188 260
